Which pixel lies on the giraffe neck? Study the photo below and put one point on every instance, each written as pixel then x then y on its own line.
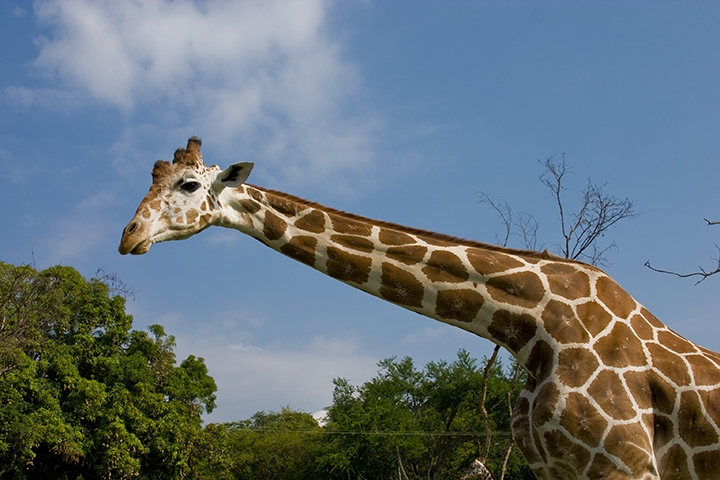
pixel 493 292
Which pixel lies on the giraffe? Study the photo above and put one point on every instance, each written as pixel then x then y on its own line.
pixel 477 471
pixel 611 393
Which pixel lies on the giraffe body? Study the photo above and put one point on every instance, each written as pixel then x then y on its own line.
pixel 611 391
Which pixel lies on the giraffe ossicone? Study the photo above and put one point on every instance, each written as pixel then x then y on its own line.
pixel 611 393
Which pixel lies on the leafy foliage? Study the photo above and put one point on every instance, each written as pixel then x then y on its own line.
pixel 410 423
pixel 276 445
pixel 84 396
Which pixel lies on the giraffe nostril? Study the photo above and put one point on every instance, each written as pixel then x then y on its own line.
pixel 130 228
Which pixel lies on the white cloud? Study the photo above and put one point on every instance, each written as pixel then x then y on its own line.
pixel 260 78
pixel 251 378
pixel 426 335
pixel 253 374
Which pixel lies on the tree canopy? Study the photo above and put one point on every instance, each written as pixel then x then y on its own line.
pixel 82 395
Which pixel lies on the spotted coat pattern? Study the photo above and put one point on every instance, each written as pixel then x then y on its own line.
pixel 611 392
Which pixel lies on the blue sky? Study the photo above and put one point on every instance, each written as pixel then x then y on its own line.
pixel 401 111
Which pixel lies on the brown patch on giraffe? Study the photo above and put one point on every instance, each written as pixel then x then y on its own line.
pixel 706 464
pixel 462 305
pixel 663 430
pixel 540 360
pixel 192 215
pixel 652 319
pixel 674 464
pixel 670 364
pixel 582 420
pixel 609 392
pixel 523 289
pixel 693 427
pixel 620 348
pixel 641 327
pixel 617 300
pixel 256 194
pixel 180 220
pixel 312 222
pixel 347 266
pixel 573 455
pixel 155 204
pixel 711 401
pixel 594 317
pixel 392 237
pixel 250 206
pixel 520 426
pixel 352 227
pixel 675 342
pixel 603 467
pixel 356 243
pixel 205 220
pixel 445 266
pixel 566 280
pixel 273 227
pixel 283 205
pixel 203 205
pixel 513 329
pixel 409 255
pixel 401 287
pixel 488 262
pixel 703 370
pixel 544 404
pixel 639 387
pixel 562 324
pixel 575 366
pixel 301 248
pixel 714 357
pixel 663 394
pixel 630 442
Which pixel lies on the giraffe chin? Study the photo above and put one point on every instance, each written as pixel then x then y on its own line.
pixel 139 249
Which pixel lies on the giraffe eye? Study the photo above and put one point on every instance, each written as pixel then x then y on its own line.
pixel 190 186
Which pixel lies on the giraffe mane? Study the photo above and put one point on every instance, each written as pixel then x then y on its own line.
pixel 441 237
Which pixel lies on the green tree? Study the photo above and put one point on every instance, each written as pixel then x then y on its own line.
pixel 280 445
pixel 84 396
pixel 410 423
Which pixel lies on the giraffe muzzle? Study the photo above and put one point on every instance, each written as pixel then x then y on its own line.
pixel 133 241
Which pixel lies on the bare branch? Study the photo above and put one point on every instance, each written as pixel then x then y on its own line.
pixel 483 411
pixel 580 231
pixel 598 213
pixel 702 273
pixel 552 178
pixel 525 223
pixel 505 212
pixel 116 285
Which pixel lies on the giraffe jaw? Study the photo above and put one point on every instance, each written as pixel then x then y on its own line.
pixel 137 249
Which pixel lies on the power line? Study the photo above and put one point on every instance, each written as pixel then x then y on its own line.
pixel 376 432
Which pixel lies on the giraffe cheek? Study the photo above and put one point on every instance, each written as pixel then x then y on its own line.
pixel 191 216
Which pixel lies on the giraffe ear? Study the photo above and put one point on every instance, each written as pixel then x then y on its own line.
pixel 235 175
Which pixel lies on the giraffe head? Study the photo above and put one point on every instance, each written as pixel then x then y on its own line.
pixel 183 199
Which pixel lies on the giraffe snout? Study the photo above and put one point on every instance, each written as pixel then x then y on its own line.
pixel 133 239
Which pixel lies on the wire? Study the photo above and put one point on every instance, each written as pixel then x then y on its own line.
pixel 379 433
